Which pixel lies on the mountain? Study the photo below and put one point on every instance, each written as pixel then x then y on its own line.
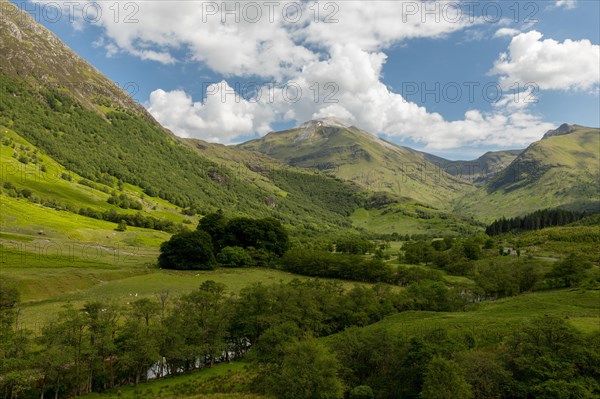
pixel 352 154
pixel 59 106
pixel 562 169
pixel 480 170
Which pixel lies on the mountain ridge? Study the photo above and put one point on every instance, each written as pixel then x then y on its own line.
pixel 354 155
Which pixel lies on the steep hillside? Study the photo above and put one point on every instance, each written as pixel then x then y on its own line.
pixel 40 58
pixel 562 169
pixel 355 155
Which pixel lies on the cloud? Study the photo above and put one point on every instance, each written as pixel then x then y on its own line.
pixel 378 25
pixel 240 46
pixel 507 32
pixel 221 118
pixel 570 65
pixel 568 4
pixel 266 39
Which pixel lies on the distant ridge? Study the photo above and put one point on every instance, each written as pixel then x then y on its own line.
pixel 560 131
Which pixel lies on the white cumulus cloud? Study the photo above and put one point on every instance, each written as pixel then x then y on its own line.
pixel 220 118
pixel 507 32
pixel 568 4
pixel 551 65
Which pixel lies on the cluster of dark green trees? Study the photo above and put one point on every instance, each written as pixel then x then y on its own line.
pixel 535 221
pixel 124 201
pixel 236 242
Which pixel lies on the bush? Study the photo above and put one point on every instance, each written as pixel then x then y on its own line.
pixel 187 251
pixel 122 226
pixel 362 392
pixel 234 257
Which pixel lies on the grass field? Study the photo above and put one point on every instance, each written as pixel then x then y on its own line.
pixel 58 257
pixel 127 286
pixel 80 259
pixel 224 381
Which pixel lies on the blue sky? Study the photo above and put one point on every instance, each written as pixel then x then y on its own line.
pixel 390 68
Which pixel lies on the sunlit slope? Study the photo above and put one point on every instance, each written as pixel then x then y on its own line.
pixel 559 170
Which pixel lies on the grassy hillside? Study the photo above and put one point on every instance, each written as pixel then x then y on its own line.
pixel 490 321
pixel 413 218
pixel 357 156
pixel 27 167
pixel 78 259
pixel 559 170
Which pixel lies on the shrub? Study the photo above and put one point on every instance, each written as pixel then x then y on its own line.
pixel 122 226
pixel 234 257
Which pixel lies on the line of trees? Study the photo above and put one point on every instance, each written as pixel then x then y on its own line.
pixel 535 221
pixel 334 265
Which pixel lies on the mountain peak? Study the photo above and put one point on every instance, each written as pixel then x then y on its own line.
pixel 329 121
pixel 562 130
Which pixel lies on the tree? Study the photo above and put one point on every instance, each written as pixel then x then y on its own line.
pixel 214 224
pixel 66 348
pixel 102 321
pixel 354 245
pixel 486 373
pixel 138 340
pixel 443 380
pixel 187 251
pixel 471 250
pixel 549 358
pixel 197 328
pixel 418 252
pixel 569 271
pixel 307 371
